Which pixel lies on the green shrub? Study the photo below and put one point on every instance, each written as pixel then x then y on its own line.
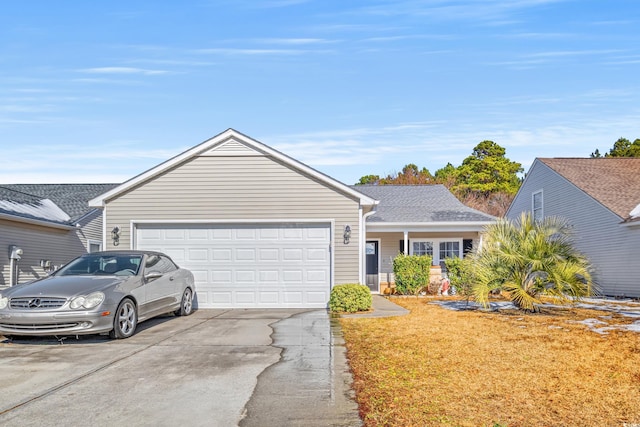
pixel 412 273
pixel 350 298
pixel 459 273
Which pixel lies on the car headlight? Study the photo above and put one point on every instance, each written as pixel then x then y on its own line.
pixel 87 301
pixel 4 301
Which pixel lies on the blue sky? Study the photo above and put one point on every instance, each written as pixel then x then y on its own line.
pixel 101 91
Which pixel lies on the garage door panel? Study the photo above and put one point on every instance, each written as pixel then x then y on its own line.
pixel 198 234
pixel 267 276
pixel 318 254
pixel 245 297
pixel 195 255
pixel 178 255
pixel 317 276
pixel 292 297
pixel 221 234
pixel 174 234
pixel 218 276
pixel 292 254
pixel 320 234
pixel 221 255
pixel 268 234
pixel 244 276
pixel 292 234
pixel 271 298
pixel 200 276
pixel 274 265
pixel 220 298
pixel 245 234
pixel 268 254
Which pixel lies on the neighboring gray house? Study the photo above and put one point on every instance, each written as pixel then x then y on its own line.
pixel 426 219
pixel 260 229
pixel 50 223
pixel 601 199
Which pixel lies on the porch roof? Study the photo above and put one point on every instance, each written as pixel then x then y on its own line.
pixel 420 208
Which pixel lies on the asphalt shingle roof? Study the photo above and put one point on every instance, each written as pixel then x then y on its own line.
pixel 612 181
pixel 419 203
pixel 71 198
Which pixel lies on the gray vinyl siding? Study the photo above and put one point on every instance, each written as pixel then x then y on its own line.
pixel 610 246
pixel 91 228
pixel 228 188
pixel 38 243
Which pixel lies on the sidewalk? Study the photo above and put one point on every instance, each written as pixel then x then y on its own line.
pixel 382 307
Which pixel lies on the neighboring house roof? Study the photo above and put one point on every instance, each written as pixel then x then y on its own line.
pixel 218 142
pixel 27 206
pixel 612 181
pixel 415 204
pixel 59 204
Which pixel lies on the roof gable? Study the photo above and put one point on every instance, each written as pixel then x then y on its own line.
pixel 612 181
pixel 230 143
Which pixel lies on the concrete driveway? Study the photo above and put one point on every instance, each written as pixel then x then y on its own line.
pixel 214 368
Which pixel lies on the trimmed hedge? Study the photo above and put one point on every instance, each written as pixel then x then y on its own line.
pixel 412 273
pixel 350 298
pixel 459 271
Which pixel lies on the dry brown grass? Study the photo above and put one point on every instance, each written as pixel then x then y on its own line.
pixel 469 368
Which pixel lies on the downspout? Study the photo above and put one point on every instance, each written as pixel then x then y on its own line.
pixel 363 241
pixel 104 227
pixel 12 268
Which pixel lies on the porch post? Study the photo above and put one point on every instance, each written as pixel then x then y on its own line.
pixel 406 243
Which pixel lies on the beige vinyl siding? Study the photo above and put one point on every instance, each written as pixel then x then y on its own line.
pixel 390 246
pixel 231 146
pixel 611 247
pixel 252 188
pixel 37 242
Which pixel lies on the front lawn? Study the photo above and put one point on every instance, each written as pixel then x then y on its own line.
pixel 470 368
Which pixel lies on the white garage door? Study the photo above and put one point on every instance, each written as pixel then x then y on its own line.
pixel 256 265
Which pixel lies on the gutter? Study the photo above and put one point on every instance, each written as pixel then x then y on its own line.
pixel 39 222
pixel 429 226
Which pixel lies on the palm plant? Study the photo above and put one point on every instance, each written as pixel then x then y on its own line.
pixel 528 259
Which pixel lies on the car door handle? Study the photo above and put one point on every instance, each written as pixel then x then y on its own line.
pixel 171 278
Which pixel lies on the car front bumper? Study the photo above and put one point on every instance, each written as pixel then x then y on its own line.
pixel 44 323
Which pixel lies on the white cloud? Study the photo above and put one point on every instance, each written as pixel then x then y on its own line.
pixel 122 70
pixel 249 52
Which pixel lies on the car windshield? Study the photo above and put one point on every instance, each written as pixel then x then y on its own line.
pixel 119 265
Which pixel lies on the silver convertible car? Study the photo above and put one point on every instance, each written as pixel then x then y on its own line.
pixel 97 293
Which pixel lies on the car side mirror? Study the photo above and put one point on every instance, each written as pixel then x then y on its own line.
pixel 152 275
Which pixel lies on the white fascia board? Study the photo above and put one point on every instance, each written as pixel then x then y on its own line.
pixel 631 224
pixel 221 138
pixel 36 222
pixel 427 227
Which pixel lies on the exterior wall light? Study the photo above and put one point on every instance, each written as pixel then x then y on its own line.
pixel 115 235
pixel 347 234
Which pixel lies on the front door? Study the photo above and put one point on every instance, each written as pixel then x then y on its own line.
pixel 372 266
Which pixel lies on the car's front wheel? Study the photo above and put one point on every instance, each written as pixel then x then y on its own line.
pixel 125 320
pixel 186 305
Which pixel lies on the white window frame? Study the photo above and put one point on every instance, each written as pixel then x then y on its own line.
pixel 436 246
pixel 537 213
pixel 412 241
pixel 94 242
